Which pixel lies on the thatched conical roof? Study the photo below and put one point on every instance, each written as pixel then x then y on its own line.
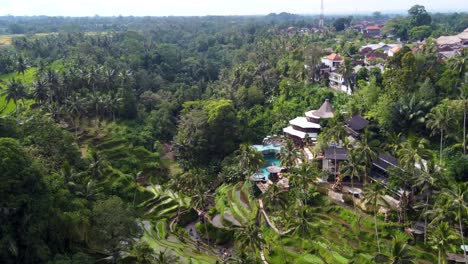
pixel 325 111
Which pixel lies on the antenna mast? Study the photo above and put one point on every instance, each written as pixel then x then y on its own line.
pixel 321 16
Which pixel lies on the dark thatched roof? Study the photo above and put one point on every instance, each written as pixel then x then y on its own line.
pixel 357 123
pixel 336 153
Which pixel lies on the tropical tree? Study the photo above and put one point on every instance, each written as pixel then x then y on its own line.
pixel 368 149
pixel 346 70
pixel 276 197
pixel 440 238
pixel 354 167
pixel 399 252
pixel 439 119
pixel 336 135
pixel 301 177
pixel 248 159
pixel 414 152
pixel 373 196
pixel 464 98
pixel 249 238
pixel 288 154
pixel 15 90
pixel 75 109
pixel 165 257
pixel 142 253
pixel 21 65
pixel 426 182
pixel 456 201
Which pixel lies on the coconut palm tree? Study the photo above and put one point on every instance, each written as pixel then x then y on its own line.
pixel 250 238
pixel 425 182
pixel 249 159
pixel 15 90
pixel 354 167
pixel 414 152
pixel 164 257
pixel 440 238
pixel 288 154
pixel 41 91
pixel 276 197
pixel 456 201
pixel 464 98
pixel 337 135
pixel 368 149
pixel 439 120
pixel 21 65
pixel 302 176
pixel 142 253
pixel 136 176
pixel 373 196
pixel 75 107
pixel 399 252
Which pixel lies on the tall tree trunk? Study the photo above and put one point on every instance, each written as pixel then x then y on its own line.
pixel 425 220
pixel 461 233
pixel 464 127
pixel 376 228
pixel 441 143
pixel 439 256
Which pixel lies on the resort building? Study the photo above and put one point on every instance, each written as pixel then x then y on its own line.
pixel 306 128
pixel 355 125
pixel 334 156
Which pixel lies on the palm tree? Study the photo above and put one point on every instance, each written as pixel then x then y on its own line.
pixel 426 182
pixel 142 253
pixel 439 120
pixel 41 91
pixel 346 70
pixel 288 154
pixel 337 135
pixel 164 257
pixel 250 238
pixel 464 98
pixel 136 176
pixel 15 90
pixel 353 168
pixel 440 238
pixel 368 149
pixel 399 252
pixel 75 109
pixel 302 176
pixel 249 159
pixel 97 164
pixel 373 195
pixel 276 197
pixel 414 152
pixel 21 65
pixel 456 198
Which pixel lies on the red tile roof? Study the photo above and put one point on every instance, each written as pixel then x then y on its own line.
pixel 334 57
pixel 373 28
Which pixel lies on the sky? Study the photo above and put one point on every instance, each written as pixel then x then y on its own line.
pixel 214 7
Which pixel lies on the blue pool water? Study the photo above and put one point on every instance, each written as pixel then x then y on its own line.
pixel 270 160
pixel 267 148
pixel 269 155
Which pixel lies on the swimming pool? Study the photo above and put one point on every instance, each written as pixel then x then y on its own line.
pixel 267 149
pixel 270 160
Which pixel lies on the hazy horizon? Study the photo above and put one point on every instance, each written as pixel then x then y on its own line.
pixel 213 7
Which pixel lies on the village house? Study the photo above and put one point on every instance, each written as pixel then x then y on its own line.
pixel 333 61
pixel 449 46
pixel 371 32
